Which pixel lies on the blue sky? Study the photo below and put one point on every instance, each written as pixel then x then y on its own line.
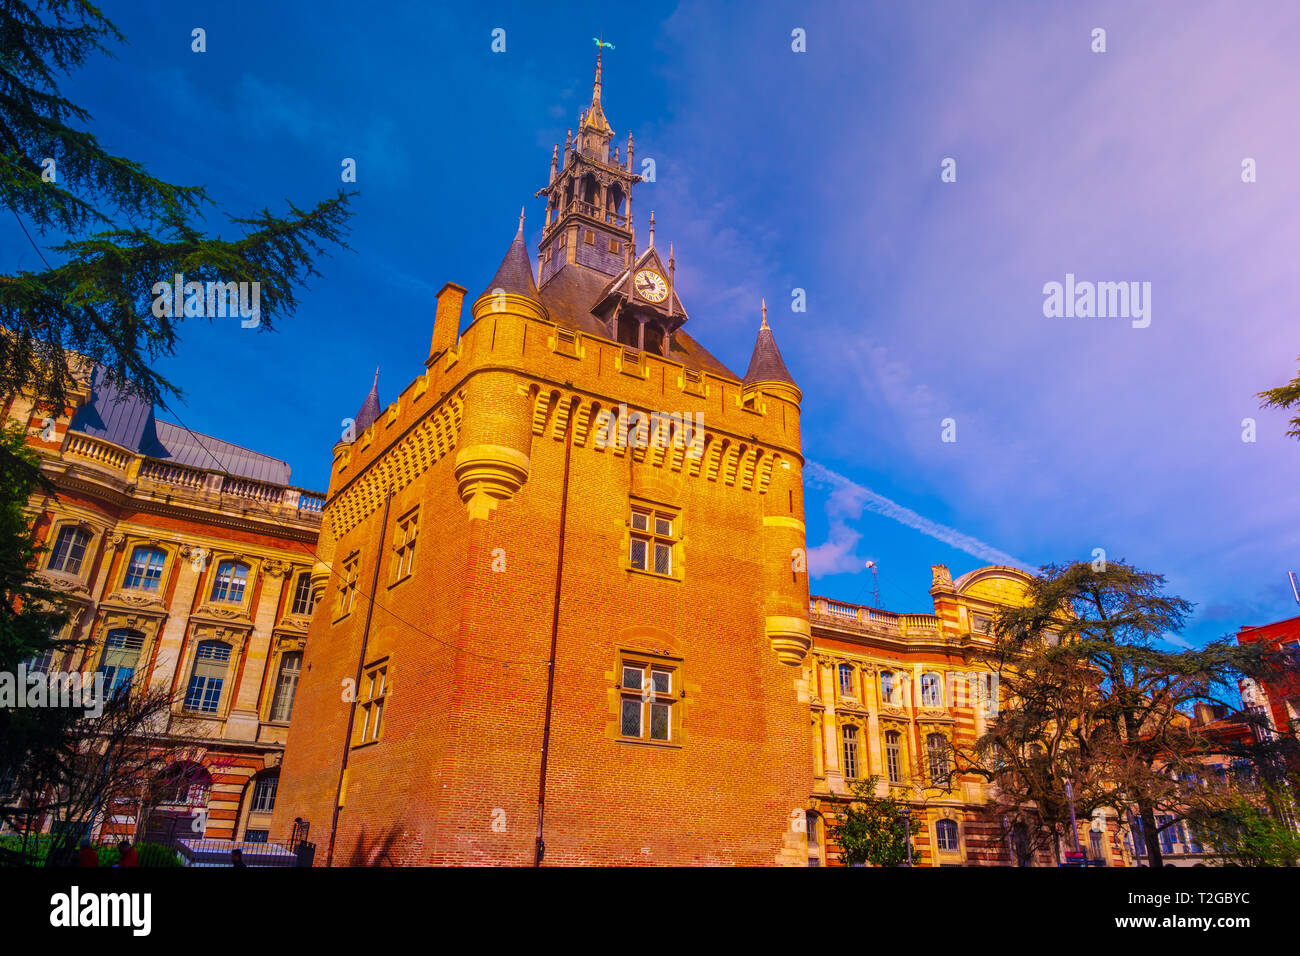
pixel 820 170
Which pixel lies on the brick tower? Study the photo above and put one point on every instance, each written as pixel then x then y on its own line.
pixel 584 538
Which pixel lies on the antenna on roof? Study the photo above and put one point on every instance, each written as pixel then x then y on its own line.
pixel 1295 587
pixel 875 583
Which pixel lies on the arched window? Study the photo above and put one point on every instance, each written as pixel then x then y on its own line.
pixel 931 690
pixel 846 679
pixel 228 584
pixel 936 750
pixel 893 756
pixel 69 550
pixel 945 833
pixel 119 660
pixel 850 752
pixel 145 570
pixel 303 602
pixel 207 677
pixel 286 685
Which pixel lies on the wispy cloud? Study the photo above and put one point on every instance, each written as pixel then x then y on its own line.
pixel 848 500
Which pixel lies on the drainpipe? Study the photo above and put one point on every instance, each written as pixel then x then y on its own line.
pixel 356 683
pixel 540 847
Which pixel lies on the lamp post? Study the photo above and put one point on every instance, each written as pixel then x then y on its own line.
pixel 1074 824
pixel 906 811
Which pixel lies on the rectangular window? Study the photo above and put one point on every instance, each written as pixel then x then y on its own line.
pixel 931 690
pixel 652 550
pixel 1166 835
pixel 69 550
pixel 264 793
pixel 210 662
pixel 936 746
pixel 119 659
pixel 846 680
pixel 145 570
pixel 887 687
pixel 850 752
pixel 646 707
pixel 589 237
pixel 229 583
pixel 981 623
pixel 348 583
pixel 286 685
pixel 893 756
pixel 370 706
pixel 303 603
pixel 404 545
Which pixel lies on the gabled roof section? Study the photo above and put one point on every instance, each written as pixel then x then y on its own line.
pixel 572 293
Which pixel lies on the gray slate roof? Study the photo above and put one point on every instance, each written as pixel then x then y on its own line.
pixel 515 274
pixel 766 365
pixel 125 420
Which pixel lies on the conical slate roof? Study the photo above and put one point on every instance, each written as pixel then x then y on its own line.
pixel 370 409
pixel 766 365
pixel 515 274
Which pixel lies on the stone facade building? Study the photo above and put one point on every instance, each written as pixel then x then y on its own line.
pixel 185 562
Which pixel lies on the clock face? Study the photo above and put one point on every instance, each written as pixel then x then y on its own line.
pixel 651 285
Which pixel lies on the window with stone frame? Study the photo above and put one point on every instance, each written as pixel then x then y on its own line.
pixel 887 686
pixel 303 602
pixel 653 539
pixel 849 735
pixel 931 689
pixel 894 756
pixel 846 680
pixel 230 582
pixel 69 550
pixel 119 659
pixel 264 793
pixel 936 752
pixel 373 694
pixel 404 537
pixel 347 593
pixel 144 572
pixel 207 677
pixel 649 692
pixel 286 685
pixel 946 835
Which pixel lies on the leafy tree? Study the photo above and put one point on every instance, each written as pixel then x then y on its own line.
pixel 123 229
pixel 1249 831
pixel 870 829
pixel 1093 701
pixel 30 615
pixel 1284 396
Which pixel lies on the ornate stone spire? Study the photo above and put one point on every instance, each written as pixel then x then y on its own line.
pixel 595 118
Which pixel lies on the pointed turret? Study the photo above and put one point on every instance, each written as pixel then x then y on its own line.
pixel 370 409
pixel 767 370
pixel 513 288
pixel 515 274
